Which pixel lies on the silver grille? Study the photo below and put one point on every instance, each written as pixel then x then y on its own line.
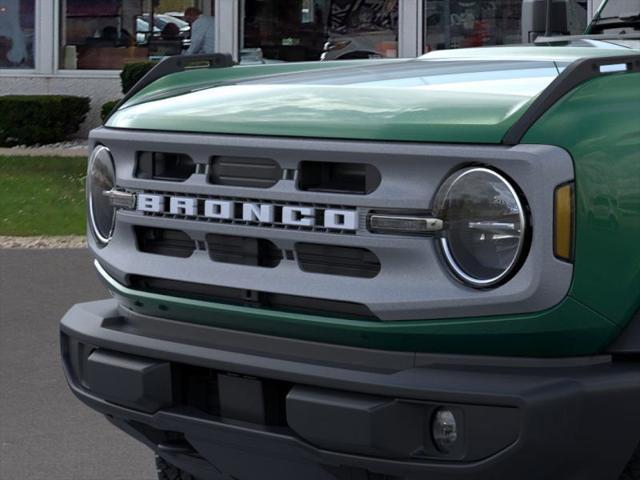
pixel 413 282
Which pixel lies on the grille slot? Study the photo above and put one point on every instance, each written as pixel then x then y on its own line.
pixel 252 298
pixel 159 241
pixel 173 167
pixel 332 260
pixel 337 177
pixel 243 250
pixel 244 172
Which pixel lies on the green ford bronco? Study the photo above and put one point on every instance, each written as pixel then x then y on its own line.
pixel 372 269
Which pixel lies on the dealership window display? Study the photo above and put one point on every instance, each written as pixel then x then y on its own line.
pixel 478 23
pixel 464 24
pixel 17 20
pixel 106 34
pixel 306 30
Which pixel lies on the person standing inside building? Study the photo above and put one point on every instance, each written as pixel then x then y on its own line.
pixel 202 31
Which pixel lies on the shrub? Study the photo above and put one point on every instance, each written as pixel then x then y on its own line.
pixel 40 119
pixel 133 72
pixel 107 108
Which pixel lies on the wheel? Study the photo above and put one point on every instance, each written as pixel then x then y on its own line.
pixel 632 470
pixel 166 471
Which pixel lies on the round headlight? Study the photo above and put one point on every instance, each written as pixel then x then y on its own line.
pixel 100 179
pixel 484 226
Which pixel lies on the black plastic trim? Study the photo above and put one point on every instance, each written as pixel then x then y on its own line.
pixel 564 411
pixel 129 380
pixel 575 74
pixel 251 298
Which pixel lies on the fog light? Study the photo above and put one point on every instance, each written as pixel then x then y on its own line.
pixel 444 430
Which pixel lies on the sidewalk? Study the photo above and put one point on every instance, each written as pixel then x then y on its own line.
pixel 44 152
pixel 73 148
pixel 68 241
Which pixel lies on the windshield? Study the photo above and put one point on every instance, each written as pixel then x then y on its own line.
pixel 617 17
pixel 142 26
pixel 619 8
pixel 161 21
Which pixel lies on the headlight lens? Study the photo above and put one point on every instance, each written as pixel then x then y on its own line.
pixel 485 226
pixel 101 178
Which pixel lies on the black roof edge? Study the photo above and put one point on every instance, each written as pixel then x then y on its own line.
pixel 574 75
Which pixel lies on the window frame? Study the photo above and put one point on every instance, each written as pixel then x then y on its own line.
pixel 410 28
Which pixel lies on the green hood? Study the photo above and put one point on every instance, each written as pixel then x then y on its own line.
pixel 461 96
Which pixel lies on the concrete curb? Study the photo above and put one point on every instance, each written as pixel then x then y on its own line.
pixel 44 152
pixel 68 241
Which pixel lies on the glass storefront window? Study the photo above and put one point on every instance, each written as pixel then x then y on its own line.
pixel 17 20
pixel 474 23
pixel 106 34
pixel 306 30
pixel 619 8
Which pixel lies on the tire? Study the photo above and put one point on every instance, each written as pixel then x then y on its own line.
pixel 632 470
pixel 166 471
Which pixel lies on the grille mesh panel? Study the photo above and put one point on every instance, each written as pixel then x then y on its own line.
pixel 333 260
pixel 244 172
pixel 161 241
pixel 256 252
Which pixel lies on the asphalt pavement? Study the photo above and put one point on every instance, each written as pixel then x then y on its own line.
pixel 45 432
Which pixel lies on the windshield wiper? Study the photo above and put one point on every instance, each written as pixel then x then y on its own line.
pixel 624 20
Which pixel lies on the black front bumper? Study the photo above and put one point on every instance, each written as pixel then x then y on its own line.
pixel 217 402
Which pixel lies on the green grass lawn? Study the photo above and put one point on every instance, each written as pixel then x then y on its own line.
pixel 42 196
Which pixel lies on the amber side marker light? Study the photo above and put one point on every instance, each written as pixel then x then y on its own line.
pixel 564 220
